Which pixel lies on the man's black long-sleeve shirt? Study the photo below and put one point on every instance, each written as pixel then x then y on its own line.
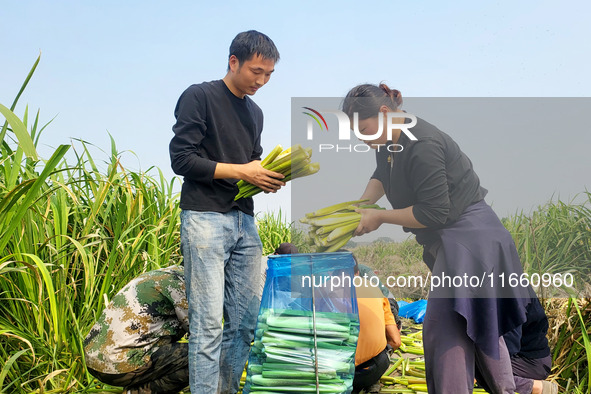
pixel 213 126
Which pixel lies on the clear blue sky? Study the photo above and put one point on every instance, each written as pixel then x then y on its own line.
pixel 120 67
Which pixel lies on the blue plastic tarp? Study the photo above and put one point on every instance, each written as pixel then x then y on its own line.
pixel 414 310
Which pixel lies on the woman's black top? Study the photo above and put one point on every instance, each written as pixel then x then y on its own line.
pixel 464 238
pixel 431 174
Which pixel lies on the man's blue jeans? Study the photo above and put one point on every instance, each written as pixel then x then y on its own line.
pixel 222 257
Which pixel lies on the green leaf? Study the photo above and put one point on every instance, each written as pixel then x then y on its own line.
pixel 20 130
pixel 7 366
pixel 586 342
pixel 31 196
pixel 22 89
pixel 53 305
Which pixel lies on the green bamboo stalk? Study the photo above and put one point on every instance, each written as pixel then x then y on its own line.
pixel 334 218
pixel 343 230
pixel 272 155
pixel 329 228
pixel 333 208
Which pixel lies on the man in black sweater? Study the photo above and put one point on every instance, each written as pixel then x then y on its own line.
pixel 217 142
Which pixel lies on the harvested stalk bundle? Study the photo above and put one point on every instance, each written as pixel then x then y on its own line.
pixel 305 337
pixel 332 227
pixel 293 162
pixel 284 341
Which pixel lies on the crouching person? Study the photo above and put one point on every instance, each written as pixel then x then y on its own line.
pixel 134 343
pixel 366 271
pixel 378 337
pixel 531 359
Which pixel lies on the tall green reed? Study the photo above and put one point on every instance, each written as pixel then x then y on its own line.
pixel 570 327
pixel 275 229
pixel 555 238
pixel 71 235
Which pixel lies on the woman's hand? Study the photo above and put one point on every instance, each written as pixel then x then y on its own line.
pixel 371 219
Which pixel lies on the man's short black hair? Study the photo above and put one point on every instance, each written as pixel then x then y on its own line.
pixel 356 266
pixel 249 43
pixel 286 248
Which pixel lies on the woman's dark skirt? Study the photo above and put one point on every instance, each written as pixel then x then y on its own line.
pixel 472 261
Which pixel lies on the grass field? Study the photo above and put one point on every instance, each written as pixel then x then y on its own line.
pixel 74 230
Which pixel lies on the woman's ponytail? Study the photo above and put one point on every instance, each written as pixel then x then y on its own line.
pixel 367 99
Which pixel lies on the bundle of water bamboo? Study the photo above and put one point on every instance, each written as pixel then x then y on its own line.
pixel 332 227
pixel 284 348
pixel 294 162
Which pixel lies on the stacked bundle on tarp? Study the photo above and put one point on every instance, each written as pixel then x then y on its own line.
pixel 306 336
